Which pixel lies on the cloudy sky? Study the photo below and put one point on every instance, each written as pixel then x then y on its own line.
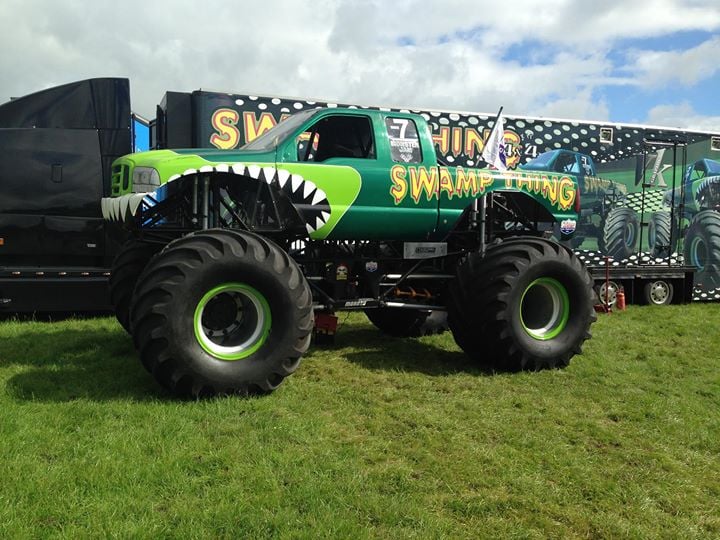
pixel 640 61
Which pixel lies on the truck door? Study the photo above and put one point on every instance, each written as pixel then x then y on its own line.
pixel 369 153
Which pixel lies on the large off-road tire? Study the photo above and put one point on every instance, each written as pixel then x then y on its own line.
pixel 620 231
pixel 702 247
pixel 129 263
pixel 399 322
pixel 659 229
pixel 221 312
pixel 528 304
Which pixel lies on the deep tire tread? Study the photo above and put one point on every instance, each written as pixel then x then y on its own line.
pixel 127 267
pixel 478 309
pixel 165 280
pixel 612 242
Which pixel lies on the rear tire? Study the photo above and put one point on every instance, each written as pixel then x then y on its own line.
pixel 620 233
pixel 399 322
pixel 702 247
pixel 528 304
pixel 222 312
pixel 129 263
pixel 659 229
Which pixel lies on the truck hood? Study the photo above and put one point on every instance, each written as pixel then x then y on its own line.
pixel 172 163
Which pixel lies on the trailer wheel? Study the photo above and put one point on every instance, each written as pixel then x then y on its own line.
pixel 127 267
pixel 702 247
pixel 658 292
pixel 528 304
pixel 399 322
pixel 659 234
pixel 607 293
pixel 222 312
pixel 620 231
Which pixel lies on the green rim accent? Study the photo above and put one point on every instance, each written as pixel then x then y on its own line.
pixel 556 317
pixel 250 298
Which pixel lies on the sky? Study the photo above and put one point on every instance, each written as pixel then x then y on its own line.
pixel 632 61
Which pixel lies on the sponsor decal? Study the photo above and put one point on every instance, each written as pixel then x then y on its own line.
pixel 568 226
pixel 371 266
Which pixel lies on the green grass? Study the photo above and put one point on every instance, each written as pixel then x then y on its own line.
pixel 372 438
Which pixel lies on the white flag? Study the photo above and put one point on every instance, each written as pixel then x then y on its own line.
pixel 494 151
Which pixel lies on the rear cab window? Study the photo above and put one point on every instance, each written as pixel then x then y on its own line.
pixel 404 140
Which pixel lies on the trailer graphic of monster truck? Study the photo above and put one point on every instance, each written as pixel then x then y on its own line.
pixel 233 251
pixel 604 215
pixel 696 206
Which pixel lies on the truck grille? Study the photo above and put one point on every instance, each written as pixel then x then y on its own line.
pixel 120 180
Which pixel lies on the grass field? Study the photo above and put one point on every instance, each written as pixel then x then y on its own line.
pixel 372 438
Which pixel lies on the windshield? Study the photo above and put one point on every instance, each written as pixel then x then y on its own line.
pixel 266 141
pixel 713 167
pixel 542 160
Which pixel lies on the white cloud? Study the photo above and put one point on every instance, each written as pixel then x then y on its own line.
pixel 660 68
pixel 348 50
pixel 682 115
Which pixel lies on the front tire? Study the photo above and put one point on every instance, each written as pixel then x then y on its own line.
pixel 222 312
pixel 528 304
pixel 620 232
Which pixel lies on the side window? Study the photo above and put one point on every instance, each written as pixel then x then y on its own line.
pixel 404 140
pixel 700 171
pixel 565 163
pixel 586 165
pixel 307 145
pixel 337 136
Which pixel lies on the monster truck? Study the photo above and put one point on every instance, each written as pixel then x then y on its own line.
pixel 696 205
pixel 233 252
pixel 603 215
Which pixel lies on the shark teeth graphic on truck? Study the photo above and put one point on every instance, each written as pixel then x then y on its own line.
pixel 123 207
pixel 310 201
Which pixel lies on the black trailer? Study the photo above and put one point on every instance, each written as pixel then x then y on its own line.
pixel 58 146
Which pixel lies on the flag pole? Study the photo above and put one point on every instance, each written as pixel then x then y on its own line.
pixel 479 208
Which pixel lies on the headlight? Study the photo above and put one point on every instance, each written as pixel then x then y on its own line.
pixel 145 179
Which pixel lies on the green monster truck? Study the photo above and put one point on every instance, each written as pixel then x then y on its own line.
pixel 233 252
pixel 696 204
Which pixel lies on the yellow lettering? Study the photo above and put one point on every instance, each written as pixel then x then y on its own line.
pixel 524 182
pixel 446 182
pixel 466 182
pixel 442 139
pixel 550 189
pixel 399 187
pixel 486 180
pixel 457 135
pixel 255 127
pixel 473 142
pixel 422 181
pixel 224 122
pixel 568 192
